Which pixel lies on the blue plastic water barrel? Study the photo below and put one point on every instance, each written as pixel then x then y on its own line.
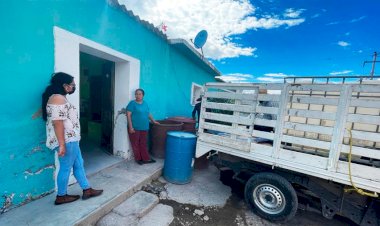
pixel 180 150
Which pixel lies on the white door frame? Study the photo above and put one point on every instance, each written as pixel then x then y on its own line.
pixel 67 48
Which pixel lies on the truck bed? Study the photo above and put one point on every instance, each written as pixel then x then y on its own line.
pixel 313 126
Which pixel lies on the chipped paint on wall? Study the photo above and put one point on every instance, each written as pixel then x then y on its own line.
pixel 7 202
pixel 29 172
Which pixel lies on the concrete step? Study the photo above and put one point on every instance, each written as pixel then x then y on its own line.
pixel 131 210
pixel 161 215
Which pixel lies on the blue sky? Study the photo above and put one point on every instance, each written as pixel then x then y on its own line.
pixel 263 41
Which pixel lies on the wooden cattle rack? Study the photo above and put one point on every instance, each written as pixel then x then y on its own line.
pixel 316 128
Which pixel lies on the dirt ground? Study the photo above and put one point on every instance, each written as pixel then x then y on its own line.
pixel 235 212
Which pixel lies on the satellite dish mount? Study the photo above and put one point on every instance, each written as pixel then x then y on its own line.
pixel 200 40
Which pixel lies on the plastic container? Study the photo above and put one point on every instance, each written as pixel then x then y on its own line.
pixel 188 123
pixel 180 150
pixel 158 136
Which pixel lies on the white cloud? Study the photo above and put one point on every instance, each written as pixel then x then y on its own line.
pixel 357 19
pixel 340 72
pixel 343 43
pixel 274 77
pixel 270 79
pixel 292 13
pixel 221 19
pixel 240 75
pixel 333 23
pixel 316 15
pixel 278 75
pixel 235 77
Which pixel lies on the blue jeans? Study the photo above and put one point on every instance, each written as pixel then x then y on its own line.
pixel 72 159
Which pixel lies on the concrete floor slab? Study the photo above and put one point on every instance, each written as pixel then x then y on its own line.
pixel 205 189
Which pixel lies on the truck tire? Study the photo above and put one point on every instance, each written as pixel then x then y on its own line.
pixel 271 197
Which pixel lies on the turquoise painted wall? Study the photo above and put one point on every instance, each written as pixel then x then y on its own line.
pixel 27 61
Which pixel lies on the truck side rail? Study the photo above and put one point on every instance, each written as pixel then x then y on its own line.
pixel 306 128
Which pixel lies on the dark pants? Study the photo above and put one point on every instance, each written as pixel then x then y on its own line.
pixel 139 145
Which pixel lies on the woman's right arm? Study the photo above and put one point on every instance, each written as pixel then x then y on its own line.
pixel 130 126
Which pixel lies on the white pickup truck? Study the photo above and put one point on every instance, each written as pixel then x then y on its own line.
pixel 320 142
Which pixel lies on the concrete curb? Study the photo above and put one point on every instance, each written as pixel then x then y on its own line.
pixel 105 208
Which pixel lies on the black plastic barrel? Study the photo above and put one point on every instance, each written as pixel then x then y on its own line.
pixel 188 123
pixel 158 136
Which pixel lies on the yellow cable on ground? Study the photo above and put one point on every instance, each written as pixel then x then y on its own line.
pixel 358 190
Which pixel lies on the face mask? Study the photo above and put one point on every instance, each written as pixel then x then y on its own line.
pixel 72 90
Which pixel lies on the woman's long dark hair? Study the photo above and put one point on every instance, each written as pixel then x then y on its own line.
pixel 56 87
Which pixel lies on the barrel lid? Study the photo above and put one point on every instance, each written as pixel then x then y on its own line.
pixel 181 134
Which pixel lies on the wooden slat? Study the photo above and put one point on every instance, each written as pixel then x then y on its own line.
pixel 303 158
pixel 261 149
pixel 221 85
pixel 308 128
pixel 316 87
pixel 238 145
pixel 258 133
pixel 268 97
pixel 226 129
pixel 367 119
pixel 265 122
pixel 311 114
pixel 270 86
pixel 267 86
pixel 228 118
pixel 363 135
pixel 280 121
pixel 366 88
pixel 338 131
pixel 365 103
pixel 236 114
pixel 360 151
pixel 229 107
pixel 225 95
pixel 358 170
pixel 306 142
pixel 314 100
pixel 267 110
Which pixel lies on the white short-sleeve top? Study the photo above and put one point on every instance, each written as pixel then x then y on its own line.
pixel 69 114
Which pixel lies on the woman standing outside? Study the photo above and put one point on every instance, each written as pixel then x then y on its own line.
pixel 138 117
pixel 63 135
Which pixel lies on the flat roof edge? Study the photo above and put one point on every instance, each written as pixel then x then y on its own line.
pixel 192 50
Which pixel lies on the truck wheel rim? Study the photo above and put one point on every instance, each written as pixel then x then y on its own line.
pixel 269 199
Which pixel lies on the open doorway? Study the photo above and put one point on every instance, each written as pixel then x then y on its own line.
pixel 96 100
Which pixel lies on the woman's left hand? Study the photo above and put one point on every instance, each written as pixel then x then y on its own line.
pixel 155 122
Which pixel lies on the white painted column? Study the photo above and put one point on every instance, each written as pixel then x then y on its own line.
pixel 127 80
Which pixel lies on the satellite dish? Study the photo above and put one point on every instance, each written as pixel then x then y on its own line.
pixel 200 39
